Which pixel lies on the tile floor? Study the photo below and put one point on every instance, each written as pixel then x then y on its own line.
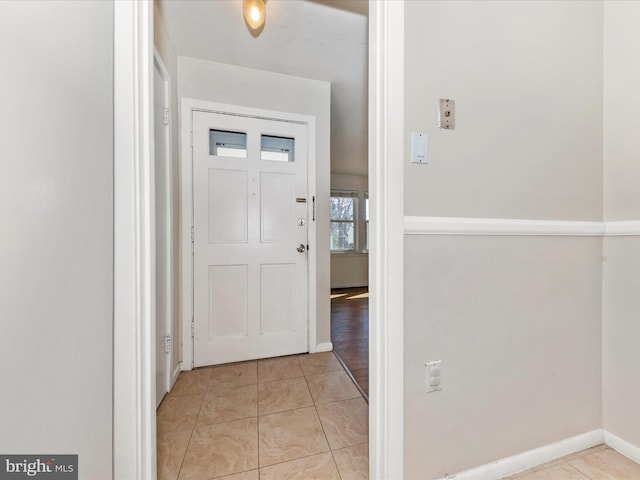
pixel 296 417
pixel 597 463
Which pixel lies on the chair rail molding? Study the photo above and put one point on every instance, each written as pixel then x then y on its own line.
pixel 517 227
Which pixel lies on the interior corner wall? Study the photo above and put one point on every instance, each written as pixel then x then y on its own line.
pixel 516 320
pixel 163 44
pixel 621 267
pixel 56 211
pixel 218 82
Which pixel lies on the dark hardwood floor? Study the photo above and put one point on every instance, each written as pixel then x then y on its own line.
pixel 350 332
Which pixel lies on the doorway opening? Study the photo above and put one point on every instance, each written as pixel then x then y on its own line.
pixel 350 333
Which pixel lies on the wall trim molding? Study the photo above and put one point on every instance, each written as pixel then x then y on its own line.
pixel 622 228
pixel 538 456
pixel 622 446
pixel 324 347
pixel 517 227
pixel 532 458
pixel 134 335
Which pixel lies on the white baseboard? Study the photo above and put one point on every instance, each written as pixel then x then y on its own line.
pixel 324 347
pixel 532 458
pixel 622 446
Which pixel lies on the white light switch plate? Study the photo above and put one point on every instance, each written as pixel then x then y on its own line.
pixel 418 148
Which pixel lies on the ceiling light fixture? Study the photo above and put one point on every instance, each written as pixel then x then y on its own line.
pixel 254 13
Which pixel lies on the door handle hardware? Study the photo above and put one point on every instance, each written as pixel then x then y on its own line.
pixel 301 248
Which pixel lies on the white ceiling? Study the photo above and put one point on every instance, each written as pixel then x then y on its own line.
pixel 318 39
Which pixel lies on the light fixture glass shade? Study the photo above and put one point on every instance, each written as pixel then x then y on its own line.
pixel 254 13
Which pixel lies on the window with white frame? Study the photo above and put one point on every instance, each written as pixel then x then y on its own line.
pixel 344 206
pixel 366 221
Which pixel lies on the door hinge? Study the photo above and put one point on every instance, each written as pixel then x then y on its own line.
pixel 193 327
pixel 167 344
pixel 166 116
pixel 191 138
pixel 313 209
pixel 192 239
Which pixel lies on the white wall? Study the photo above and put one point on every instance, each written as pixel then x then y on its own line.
pixel 169 57
pixel 351 269
pixel 516 320
pixel 217 82
pixel 56 125
pixel 621 306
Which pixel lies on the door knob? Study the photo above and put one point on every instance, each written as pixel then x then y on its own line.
pixel 301 248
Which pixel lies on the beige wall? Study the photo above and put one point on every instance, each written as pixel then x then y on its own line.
pixel 56 249
pixel 169 57
pixel 621 307
pixel 516 323
pixel 527 80
pixel 217 82
pixel 515 320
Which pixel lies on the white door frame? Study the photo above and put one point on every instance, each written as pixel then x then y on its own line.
pixel 134 439
pixel 188 106
pixel 134 420
pixel 167 208
pixel 386 255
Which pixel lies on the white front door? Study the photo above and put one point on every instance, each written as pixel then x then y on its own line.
pixel 250 214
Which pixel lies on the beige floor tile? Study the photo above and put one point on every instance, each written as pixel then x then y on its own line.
pixel 315 363
pixel 345 423
pixel 250 475
pixel 607 465
pixel 317 467
pixel 289 435
pixel 561 471
pixel 279 368
pixel 171 447
pixel 227 404
pixel 331 387
pixel 234 375
pixel 353 462
pixel 178 412
pixel 221 449
pixel 193 381
pixel 282 395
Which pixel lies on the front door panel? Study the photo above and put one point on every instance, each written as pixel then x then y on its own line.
pixel 250 277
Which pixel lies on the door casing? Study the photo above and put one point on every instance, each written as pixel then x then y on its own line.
pixel 186 205
pixel 166 209
pixel 134 432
